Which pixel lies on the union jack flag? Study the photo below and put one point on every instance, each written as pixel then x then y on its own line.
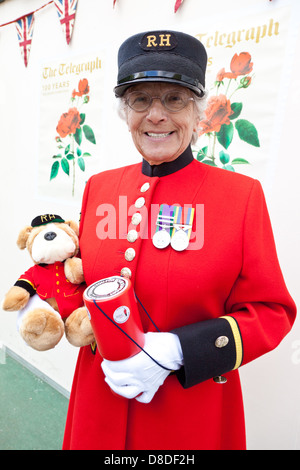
pixel 177 4
pixel 25 32
pixel 66 10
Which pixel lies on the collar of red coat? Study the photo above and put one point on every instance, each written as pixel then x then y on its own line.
pixel 167 168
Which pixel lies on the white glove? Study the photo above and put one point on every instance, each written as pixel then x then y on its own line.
pixel 34 302
pixel 139 376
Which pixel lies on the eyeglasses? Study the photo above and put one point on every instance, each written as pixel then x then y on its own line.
pixel 173 101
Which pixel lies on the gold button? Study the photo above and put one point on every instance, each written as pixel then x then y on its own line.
pixel 220 379
pixel 221 342
pixel 129 254
pixel 58 291
pixel 132 236
pixel 140 202
pixel 136 218
pixel 145 187
pixel 126 272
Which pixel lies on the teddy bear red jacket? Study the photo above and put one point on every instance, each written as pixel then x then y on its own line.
pixel 228 283
pixel 49 281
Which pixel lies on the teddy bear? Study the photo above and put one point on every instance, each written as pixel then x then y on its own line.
pixel 57 279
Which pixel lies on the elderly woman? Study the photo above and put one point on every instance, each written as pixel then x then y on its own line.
pixel 199 250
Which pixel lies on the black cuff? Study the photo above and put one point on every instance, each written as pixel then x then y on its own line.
pixel 27 286
pixel 210 348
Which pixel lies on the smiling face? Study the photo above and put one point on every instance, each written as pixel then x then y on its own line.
pixel 158 134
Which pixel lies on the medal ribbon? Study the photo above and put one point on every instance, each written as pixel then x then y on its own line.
pixel 180 224
pixel 165 218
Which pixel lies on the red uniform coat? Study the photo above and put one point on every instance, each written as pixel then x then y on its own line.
pixel 233 273
pixel 49 281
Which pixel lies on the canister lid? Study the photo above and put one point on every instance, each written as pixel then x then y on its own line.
pixel 107 288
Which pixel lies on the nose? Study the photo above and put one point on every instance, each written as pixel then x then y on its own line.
pixel 49 236
pixel 157 111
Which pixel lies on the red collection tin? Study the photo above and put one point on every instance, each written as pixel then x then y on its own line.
pixel 113 312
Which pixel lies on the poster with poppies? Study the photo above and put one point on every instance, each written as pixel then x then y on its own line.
pixel 247 74
pixel 223 115
pixel 70 125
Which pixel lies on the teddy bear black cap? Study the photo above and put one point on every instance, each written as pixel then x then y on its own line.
pixel 162 56
pixel 46 219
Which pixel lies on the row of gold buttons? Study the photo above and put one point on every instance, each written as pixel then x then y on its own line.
pixel 132 235
pixel 57 282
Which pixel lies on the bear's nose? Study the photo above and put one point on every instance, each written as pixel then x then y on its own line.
pixel 49 236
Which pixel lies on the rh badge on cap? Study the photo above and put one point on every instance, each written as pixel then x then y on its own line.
pixel 158 41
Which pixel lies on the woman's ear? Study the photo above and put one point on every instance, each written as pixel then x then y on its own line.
pixel 197 123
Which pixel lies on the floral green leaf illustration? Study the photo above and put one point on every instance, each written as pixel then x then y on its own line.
pixel 54 170
pixel 65 166
pixel 225 135
pixel 228 167
pixel 209 162
pixel 89 134
pixel 202 153
pixel 237 161
pixel 81 163
pixel 247 132
pixel 78 136
pixel 237 109
pixel 224 157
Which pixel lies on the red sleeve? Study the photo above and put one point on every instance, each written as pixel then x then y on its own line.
pixel 259 300
pixel 259 310
pixel 26 281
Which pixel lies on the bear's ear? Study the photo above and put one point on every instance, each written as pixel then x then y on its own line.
pixel 23 237
pixel 73 225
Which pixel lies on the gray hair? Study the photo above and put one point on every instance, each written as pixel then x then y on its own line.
pixel 200 103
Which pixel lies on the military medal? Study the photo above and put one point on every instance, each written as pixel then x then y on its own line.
pixel 182 231
pixel 162 237
pixel 180 240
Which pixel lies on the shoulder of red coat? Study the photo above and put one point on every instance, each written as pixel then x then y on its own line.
pixel 222 176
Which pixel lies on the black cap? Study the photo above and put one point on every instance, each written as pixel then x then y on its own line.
pixel 162 56
pixel 46 219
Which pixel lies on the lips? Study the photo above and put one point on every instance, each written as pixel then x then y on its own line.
pixel 158 135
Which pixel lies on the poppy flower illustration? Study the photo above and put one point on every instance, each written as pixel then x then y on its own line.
pixel 222 116
pixel 68 123
pixel 83 88
pixel 240 65
pixel 217 113
pixel 221 75
pixel 71 129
